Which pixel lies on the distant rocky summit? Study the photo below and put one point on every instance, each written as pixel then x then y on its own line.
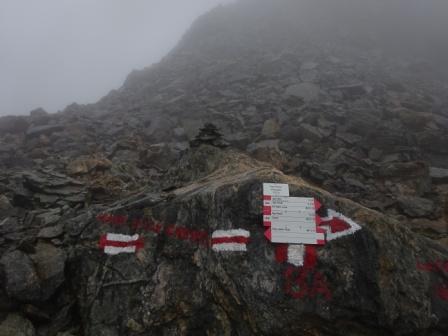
pixel 256 91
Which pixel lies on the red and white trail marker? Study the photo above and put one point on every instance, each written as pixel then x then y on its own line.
pixel 115 243
pixel 337 225
pixel 293 220
pixel 230 240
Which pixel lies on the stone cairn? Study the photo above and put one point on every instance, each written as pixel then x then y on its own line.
pixel 209 135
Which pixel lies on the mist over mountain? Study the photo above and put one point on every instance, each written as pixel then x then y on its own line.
pixel 345 101
pixel 55 53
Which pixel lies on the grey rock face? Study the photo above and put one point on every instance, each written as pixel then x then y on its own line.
pixel 179 276
pixel 438 175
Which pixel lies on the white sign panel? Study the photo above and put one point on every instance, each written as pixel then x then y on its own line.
pixel 275 189
pixel 292 220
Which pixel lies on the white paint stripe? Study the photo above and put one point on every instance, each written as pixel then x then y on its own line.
pixel 117 250
pixel 295 254
pixel 121 237
pixel 231 233
pixel 229 247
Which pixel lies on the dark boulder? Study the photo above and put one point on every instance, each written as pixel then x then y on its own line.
pixel 21 279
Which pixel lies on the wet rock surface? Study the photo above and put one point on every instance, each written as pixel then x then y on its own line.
pixel 358 128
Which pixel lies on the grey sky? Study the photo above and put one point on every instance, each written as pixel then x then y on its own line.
pixel 55 52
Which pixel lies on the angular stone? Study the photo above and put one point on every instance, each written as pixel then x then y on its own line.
pixel 37 131
pixel 416 206
pixel 51 231
pixel 349 138
pixel 375 154
pixel 310 132
pixel 48 218
pixel 438 175
pixel 16 325
pixel 351 91
pixel 270 129
pixel 38 113
pixel 405 170
pixel 273 144
pixel 86 165
pixel 50 264
pixel 306 91
pixel 22 282
pixel 5 204
pixel 179 132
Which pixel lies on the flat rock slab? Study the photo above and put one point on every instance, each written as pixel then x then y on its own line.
pixel 438 175
pixel 306 91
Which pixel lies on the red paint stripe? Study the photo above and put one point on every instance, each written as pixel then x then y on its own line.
pixel 310 257
pixel 268 234
pixel 442 292
pixel 281 253
pixel 182 233
pixel 112 219
pixel 428 267
pixel 267 223
pixel 267 210
pixel 338 225
pixel 235 239
pixel 103 240
pixel 170 230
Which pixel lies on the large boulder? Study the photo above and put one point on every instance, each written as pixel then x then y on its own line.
pixel 50 264
pixel 33 277
pixel 21 280
pixel 380 278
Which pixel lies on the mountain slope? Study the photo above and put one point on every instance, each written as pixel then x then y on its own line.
pixel 317 94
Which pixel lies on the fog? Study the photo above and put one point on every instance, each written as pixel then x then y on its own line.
pixel 55 52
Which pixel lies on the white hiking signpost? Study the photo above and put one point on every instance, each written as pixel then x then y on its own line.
pixel 289 220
